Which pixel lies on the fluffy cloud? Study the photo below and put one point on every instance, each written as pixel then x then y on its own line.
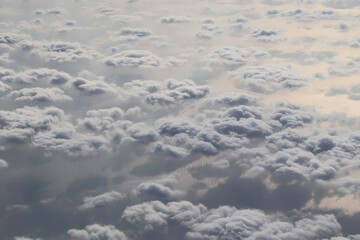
pixel 267 35
pixel 164 188
pixel 101 200
pixel 267 78
pixel 40 95
pixel 305 16
pixel 32 76
pixel 232 56
pixel 60 52
pixel 166 92
pixel 93 87
pixel 228 222
pixel 20 125
pixel 96 232
pixel 231 99
pixel 291 115
pixel 139 58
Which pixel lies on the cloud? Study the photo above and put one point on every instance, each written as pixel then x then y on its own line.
pixel 21 124
pixel 231 99
pixel 232 57
pixel 4 87
pixel 227 222
pixel 40 95
pixel 32 76
pixel 58 51
pixel 175 19
pixel 139 58
pixel 164 188
pixel 169 150
pixel 167 92
pixel 101 200
pixel 26 238
pixel 341 4
pixel 97 231
pixel 51 11
pixel 93 87
pixel 3 164
pixel 267 78
pixel 291 115
pixel 341 68
pixel 267 35
pixel 305 16
pixel 249 126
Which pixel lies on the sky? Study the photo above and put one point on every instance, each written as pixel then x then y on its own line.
pixel 169 119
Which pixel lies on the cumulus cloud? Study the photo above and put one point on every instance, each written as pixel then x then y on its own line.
pixel 167 92
pixel 267 78
pixel 231 99
pixel 32 76
pixel 139 58
pixel 23 123
pixel 267 35
pixel 232 56
pixel 40 95
pixel 291 115
pixel 60 52
pixel 97 231
pixel 228 222
pixel 93 87
pixel 305 16
pixel 164 188
pixel 101 200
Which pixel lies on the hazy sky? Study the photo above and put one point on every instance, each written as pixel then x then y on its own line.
pixel 179 119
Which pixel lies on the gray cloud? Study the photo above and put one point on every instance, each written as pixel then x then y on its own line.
pixel 139 58
pixel 165 93
pixel 267 78
pixel 93 87
pixel 3 164
pixel 228 222
pixel 231 99
pixel 175 19
pixel 267 35
pixel 232 56
pixel 40 95
pixel 32 76
pixel 164 188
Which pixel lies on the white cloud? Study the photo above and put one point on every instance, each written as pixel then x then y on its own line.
pixel 101 200
pixel 96 232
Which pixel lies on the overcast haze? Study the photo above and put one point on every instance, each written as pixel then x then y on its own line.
pixel 167 119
